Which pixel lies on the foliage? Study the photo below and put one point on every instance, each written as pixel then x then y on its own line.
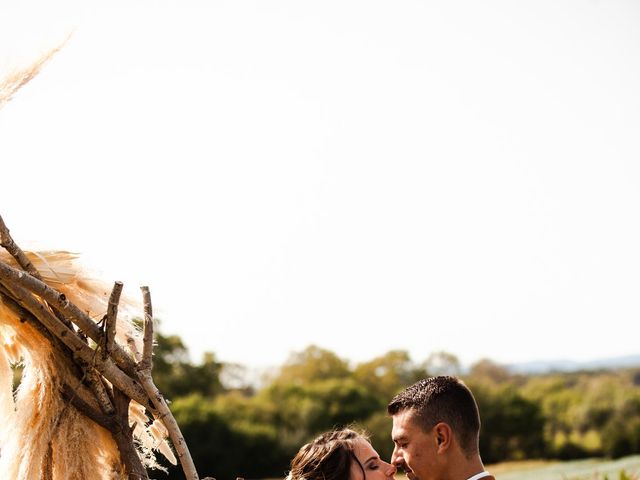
pixel 588 413
pixel 512 426
pixel 176 376
pixel 621 434
pixel 488 371
pixel 226 448
pixel 234 430
pixel 310 365
pixel 443 363
pixel 388 374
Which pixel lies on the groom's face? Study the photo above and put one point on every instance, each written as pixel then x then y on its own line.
pixel 415 451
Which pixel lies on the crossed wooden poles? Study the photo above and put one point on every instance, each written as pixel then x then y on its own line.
pixel 66 328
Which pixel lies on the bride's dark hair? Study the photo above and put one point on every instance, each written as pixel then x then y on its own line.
pixel 328 457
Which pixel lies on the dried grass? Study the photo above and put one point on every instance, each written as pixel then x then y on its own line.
pixel 38 416
pixel 20 77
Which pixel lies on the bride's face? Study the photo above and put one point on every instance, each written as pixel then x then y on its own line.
pixel 374 467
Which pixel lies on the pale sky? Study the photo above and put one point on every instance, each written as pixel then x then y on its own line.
pixel 362 175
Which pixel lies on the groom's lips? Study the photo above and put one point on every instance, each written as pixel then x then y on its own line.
pixel 408 472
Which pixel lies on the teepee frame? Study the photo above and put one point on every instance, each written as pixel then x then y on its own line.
pixel 89 377
pixel 107 376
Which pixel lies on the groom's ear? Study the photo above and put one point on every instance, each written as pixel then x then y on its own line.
pixel 442 436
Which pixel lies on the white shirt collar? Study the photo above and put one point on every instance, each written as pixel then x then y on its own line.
pixel 480 475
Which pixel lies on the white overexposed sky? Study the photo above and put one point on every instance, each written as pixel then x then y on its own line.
pixel 362 175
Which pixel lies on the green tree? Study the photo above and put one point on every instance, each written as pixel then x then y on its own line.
pixel 303 411
pixel 224 448
pixel 311 364
pixel 388 374
pixel 621 435
pixel 176 376
pixel 443 363
pixel 512 426
pixel 486 370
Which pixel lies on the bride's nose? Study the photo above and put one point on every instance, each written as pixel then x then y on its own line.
pixel 390 470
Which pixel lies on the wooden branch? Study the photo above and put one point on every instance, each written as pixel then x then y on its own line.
pixel 147 347
pixel 70 395
pixel 110 322
pixel 134 349
pixel 169 421
pixel 79 390
pixel 25 316
pixel 99 390
pixel 165 415
pixel 124 439
pixel 56 319
pixel 6 241
pixel 88 372
pixel 105 366
pixel 117 423
pixel 16 252
pixel 10 275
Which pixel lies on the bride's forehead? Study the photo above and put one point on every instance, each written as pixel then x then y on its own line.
pixel 363 449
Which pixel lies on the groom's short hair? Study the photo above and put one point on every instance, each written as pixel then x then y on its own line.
pixel 442 399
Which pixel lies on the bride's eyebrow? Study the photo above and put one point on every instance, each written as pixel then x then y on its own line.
pixel 371 458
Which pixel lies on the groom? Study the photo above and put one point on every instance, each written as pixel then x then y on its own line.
pixel 436 428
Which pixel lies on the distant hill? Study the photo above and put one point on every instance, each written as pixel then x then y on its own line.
pixel 545 366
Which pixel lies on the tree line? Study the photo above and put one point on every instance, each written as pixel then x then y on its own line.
pixel 235 429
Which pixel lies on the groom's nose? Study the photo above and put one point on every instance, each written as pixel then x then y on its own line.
pixel 395 458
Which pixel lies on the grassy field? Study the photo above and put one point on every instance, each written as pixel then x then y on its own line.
pixel 592 469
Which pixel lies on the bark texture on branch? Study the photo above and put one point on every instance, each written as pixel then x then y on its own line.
pixel 110 319
pixel 124 438
pixel 60 302
pixel 6 241
pixel 76 345
pixel 94 381
pixel 144 374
